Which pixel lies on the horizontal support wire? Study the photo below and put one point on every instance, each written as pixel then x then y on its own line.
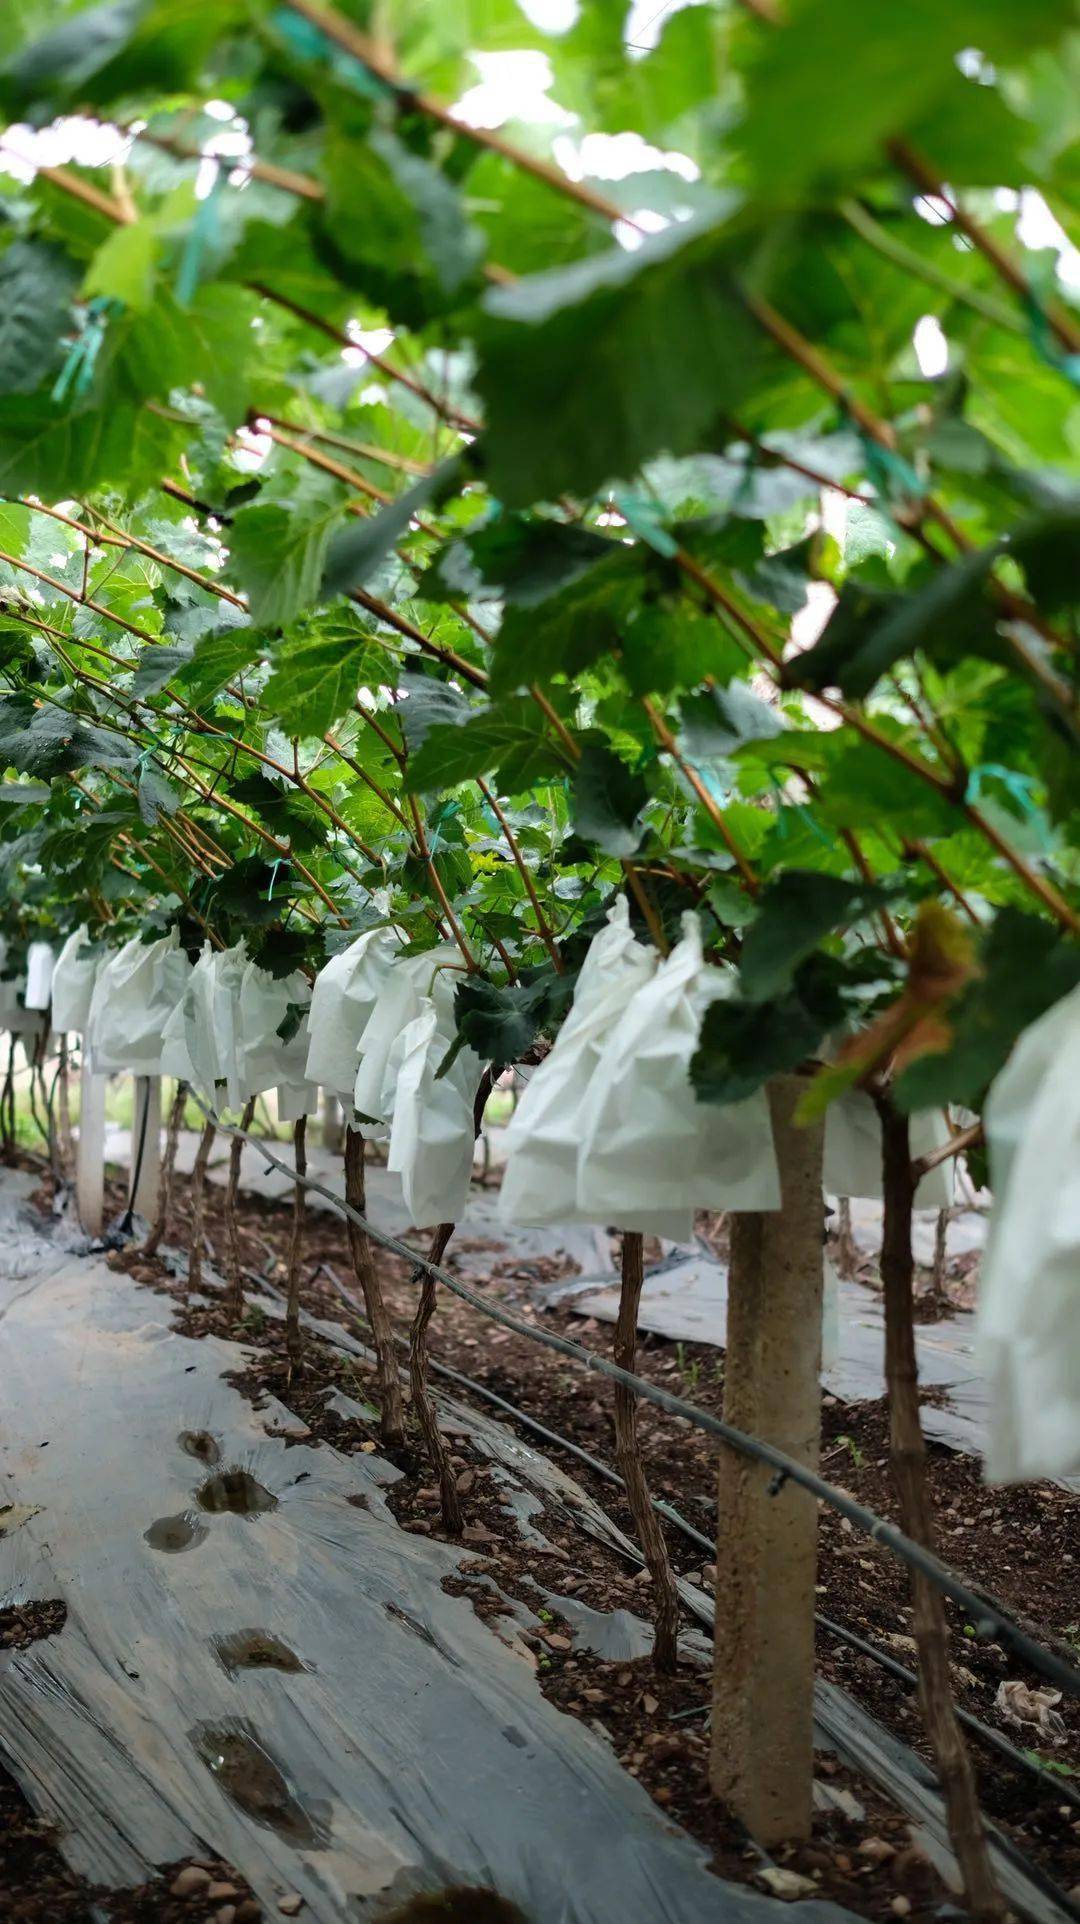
pixel 988 1620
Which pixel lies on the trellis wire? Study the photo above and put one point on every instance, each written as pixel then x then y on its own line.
pixel 988 1620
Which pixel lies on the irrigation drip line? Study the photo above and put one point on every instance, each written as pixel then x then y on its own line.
pixel 124 1226
pixel 989 1622
pixel 1018 1758
pixel 1059 1786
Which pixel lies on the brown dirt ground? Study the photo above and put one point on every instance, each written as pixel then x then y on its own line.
pixel 1024 1541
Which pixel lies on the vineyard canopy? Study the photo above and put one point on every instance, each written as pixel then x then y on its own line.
pixel 408 519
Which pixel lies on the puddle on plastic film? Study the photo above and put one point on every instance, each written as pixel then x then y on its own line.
pixel 237 1492
pixel 256 1650
pixel 173 1533
pixel 257 1785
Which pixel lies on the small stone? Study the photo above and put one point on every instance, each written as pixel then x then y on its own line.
pixel 186 1882
pixel 900 1906
pixel 478 1533
pixel 249 1912
pixel 465 1482
pixel 662 1795
pixel 226 1915
pixel 877 1850
pixel 785 1883
pixel 555 1641
pixel 368 1449
pixel 290 1904
pixel 218 1893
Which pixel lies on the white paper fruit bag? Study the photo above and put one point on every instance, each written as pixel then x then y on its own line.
pixel 852 1162
pixel 342 1003
pixel 266 1059
pixel 432 1137
pixel 409 980
pixel 1028 1319
pixel 648 1145
pixel 543 1140
pixel 40 963
pixel 73 982
pixel 200 1043
pixel 134 995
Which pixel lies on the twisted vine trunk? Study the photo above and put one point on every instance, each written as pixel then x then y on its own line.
pixel 452 1514
pixel 908 1452
pixel 198 1191
pixel 65 1144
pixel 665 1596
pixel 845 1241
pixel 941 1252
pixel 234 1282
pixel 294 1346
pixel 168 1172
pixel 391 1402
pixel 38 1076
pixel 7 1105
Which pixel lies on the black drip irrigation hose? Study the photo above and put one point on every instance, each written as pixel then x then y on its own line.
pixel 125 1225
pixel 988 1621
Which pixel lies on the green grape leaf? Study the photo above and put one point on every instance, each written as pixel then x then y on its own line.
pixel 723 719
pixel 50 741
pixel 316 676
pixel 429 702
pixel 279 552
pixel 507 738
pixel 523 559
pixel 795 913
pixel 1026 966
pixel 576 370
pixel 608 798
pixel 358 550
pixel 37 284
pixel 501 1023
pixel 157 797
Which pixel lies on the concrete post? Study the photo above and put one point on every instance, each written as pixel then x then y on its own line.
pixel 90 1156
pixel 766 1557
pixel 333 1123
